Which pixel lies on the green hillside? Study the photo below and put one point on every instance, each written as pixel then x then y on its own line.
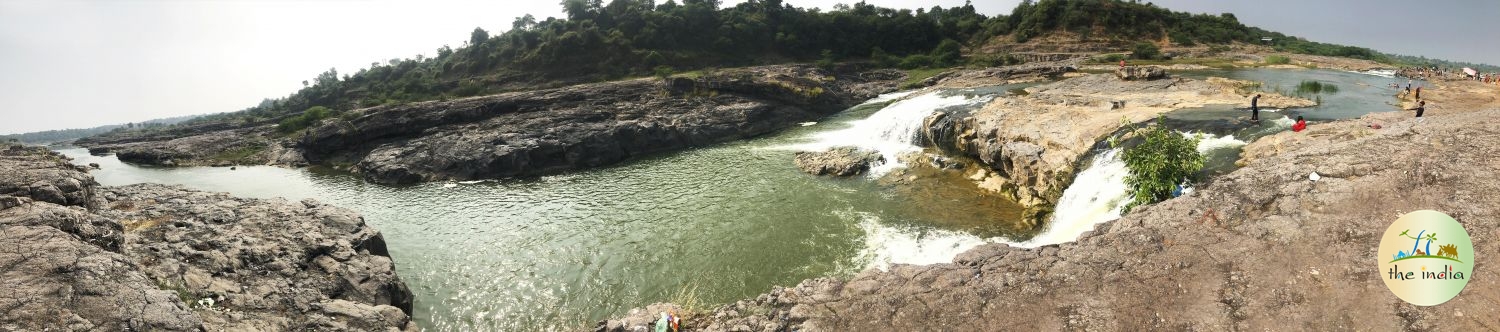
pixel 635 38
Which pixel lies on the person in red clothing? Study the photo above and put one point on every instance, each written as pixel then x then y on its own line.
pixel 1300 126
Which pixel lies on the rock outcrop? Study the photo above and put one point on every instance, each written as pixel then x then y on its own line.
pixel 840 161
pixel 527 133
pixel 1260 248
pixel 1029 72
pixel 163 258
pixel 1135 73
pixel 1034 142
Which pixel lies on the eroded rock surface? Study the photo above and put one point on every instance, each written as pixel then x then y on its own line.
pixel 163 258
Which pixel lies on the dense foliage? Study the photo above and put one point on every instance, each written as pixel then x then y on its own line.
pixel 306 119
pixel 1164 160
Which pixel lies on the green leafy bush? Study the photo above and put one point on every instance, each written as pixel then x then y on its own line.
pixel 664 71
pixel 309 117
pixel 947 53
pixel 1158 164
pixel 916 61
pixel 1277 60
pixel 1146 51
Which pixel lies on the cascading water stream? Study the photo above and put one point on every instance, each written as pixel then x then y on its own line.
pixel 893 129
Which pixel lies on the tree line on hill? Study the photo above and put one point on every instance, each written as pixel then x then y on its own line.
pixel 68 135
pixel 629 38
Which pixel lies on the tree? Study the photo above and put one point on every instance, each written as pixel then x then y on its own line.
pixel 478 36
pixel 947 53
pixel 1146 51
pixel 523 23
pixel 1159 164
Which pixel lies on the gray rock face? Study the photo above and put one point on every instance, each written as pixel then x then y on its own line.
pixel 40 175
pixel 162 258
pixel 591 125
pixel 1138 73
pixel 840 161
pixel 54 281
pixel 273 264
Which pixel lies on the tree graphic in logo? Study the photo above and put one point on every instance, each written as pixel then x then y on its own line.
pixel 1447 251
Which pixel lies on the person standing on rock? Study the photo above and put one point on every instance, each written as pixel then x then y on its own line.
pixel 1421 106
pixel 1255 108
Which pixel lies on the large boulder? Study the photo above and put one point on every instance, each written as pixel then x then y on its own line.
pixel 841 161
pixel 1136 73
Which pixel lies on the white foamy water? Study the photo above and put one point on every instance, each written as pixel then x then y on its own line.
pixel 1209 142
pixel 887 245
pixel 889 97
pixel 891 130
pixel 1386 73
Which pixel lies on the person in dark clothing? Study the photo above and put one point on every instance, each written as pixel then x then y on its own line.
pixel 1255 108
pixel 1421 106
pixel 1419 93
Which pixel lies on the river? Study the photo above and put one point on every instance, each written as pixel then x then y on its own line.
pixel 707 226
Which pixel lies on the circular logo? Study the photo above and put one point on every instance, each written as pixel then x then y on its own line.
pixel 1426 258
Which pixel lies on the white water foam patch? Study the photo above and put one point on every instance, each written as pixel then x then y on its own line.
pixel 1209 142
pixel 887 245
pixel 1386 73
pixel 889 97
pixel 891 131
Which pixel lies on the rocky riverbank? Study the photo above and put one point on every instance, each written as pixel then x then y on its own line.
pixel 1032 143
pixel 528 133
pixel 1262 247
pixel 162 258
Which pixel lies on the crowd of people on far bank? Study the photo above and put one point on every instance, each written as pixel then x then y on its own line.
pixel 1432 73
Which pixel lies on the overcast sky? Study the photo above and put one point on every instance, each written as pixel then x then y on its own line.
pixel 76 64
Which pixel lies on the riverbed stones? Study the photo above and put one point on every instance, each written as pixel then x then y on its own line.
pixel 839 161
pixel 164 258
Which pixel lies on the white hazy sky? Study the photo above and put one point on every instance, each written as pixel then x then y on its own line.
pixel 77 64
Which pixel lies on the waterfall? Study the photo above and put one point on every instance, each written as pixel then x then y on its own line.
pixel 1097 195
pixel 892 130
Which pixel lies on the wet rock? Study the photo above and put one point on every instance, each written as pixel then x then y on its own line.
pixel 840 161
